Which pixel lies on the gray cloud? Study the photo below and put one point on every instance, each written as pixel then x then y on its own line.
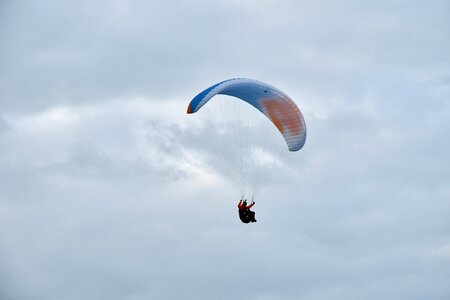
pixel 71 53
pixel 110 191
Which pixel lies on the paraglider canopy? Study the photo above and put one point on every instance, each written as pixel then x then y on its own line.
pixel 272 102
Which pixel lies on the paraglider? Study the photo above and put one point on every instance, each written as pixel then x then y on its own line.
pixel 272 103
pixel 245 214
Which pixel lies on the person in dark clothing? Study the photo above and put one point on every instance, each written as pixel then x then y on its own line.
pixel 245 214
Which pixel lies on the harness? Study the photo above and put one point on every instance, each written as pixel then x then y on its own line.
pixel 245 216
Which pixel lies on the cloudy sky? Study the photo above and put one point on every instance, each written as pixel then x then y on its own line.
pixel 108 190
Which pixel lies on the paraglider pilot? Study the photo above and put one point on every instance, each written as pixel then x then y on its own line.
pixel 245 214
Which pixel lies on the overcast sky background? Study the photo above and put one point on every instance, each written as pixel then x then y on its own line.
pixel 106 191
